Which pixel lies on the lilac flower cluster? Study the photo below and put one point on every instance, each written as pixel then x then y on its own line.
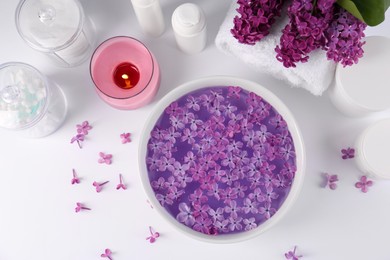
pixel 255 19
pixel 345 36
pixel 221 160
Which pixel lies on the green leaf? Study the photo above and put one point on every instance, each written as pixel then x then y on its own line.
pixel 372 12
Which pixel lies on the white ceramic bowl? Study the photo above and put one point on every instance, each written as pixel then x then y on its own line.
pixel 273 101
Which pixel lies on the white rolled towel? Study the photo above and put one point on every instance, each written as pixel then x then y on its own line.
pixel 314 75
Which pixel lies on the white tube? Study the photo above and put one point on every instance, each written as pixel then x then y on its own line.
pixel 149 16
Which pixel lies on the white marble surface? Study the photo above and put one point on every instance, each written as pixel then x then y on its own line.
pixel 37 219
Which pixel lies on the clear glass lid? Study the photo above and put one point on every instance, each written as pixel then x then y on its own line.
pixel 49 25
pixel 23 96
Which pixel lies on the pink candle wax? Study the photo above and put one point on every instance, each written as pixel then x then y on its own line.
pixel 125 73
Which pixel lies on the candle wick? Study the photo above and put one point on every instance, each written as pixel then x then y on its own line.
pixel 126 78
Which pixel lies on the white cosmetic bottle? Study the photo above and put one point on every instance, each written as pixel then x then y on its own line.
pixel 189 25
pixel 149 16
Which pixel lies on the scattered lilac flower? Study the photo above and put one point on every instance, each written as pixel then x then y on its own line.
pixel 83 128
pixel 348 153
pixel 80 206
pixel 105 158
pixel 153 235
pixel 150 204
pixel 121 185
pixel 364 183
pixel 331 180
pixel 75 179
pixel 292 254
pixel 107 254
pixel 125 137
pixel 99 186
pixel 79 138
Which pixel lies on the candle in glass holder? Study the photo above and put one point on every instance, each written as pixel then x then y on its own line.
pixel 58 28
pixel 125 73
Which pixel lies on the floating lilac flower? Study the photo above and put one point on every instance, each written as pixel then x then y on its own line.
pixel 235 223
pixel 250 223
pixel 267 210
pixel 185 216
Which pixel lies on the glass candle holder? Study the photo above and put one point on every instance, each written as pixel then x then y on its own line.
pixel 30 103
pixel 125 73
pixel 57 28
pixel 372 156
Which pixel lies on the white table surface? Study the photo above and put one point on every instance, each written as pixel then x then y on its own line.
pixel 37 218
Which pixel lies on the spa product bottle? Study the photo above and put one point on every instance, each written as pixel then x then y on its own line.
pixel 189 25
pixel 149 16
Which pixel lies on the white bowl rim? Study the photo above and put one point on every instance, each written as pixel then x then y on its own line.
pixel 274 101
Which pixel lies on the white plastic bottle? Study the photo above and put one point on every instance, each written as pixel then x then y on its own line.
pixel 189 25
pixel 149 16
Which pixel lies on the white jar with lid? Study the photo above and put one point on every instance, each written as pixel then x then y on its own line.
pixel 372 150
pixel 363 88
pixel 58 28
pixel 189 25
pixel 30 104
pixel 150 17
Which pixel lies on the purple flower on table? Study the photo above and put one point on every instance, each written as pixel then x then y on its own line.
pixel 240 189
pixel 232 209
pixel 153 162
pixel 193 103
pixel 174 110
pixel 258 158
pixel 256 195
pixel 250 223
pixel 250 206
pixel 330 181
pixel 292 254
pixel 216 214
pixel 79 138
pixel 166 164
pixel 364 183
pixel 188 136
pixel 234 146
pixel 164 198
pixel 197 197
pixel 174 193
pixel 185 215
pixel 190 159
pixel 214 190
pixel 348 153
pixel 228 194
pixel 267 169
pixel 180 169
pixel 201 210
pixel 218 152
pixel 159 184
pixel 171 182
pixel 267 210
pixel 253 99
pixel 235 223
pixel 234 92
pixel 277 121
pixel 176 122
pixel 202 224
pixel 287 151
pixel 171 135
pixel 83 128
pixel 229 161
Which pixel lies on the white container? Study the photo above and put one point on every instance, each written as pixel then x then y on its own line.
pixel 273 101
pixel 363 88
pixel 189 25
pixel 58 28
pixel 149 16
pixel 30 104
pixel 372 150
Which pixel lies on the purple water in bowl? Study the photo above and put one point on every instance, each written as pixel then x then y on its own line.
pixel 221 160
